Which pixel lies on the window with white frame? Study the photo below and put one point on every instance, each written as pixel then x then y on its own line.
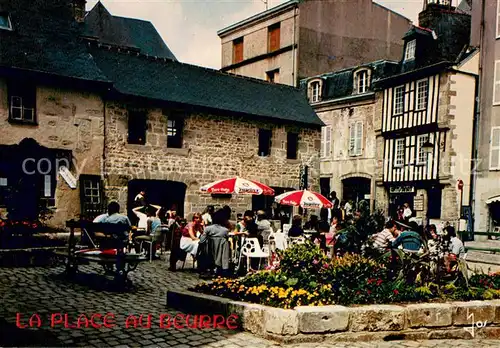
pixel 399 98
pixel 315 91
pixel 356 139
pixel 5 22
pixel 399 159
pixel 421 154
pixel 410 49
pixel 496 86
pixel 92 191
pixel 362 81
pixel 498 19
pixel 495 148
pixel 22 99
pixel 326 141
pixel 422 94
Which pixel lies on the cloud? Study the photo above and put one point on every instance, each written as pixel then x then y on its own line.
pixel 189 28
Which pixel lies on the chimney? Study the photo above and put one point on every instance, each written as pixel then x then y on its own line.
pixel 79 10
pixel 432 12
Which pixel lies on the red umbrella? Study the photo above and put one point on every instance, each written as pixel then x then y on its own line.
pixel 306 199
pixel 237 185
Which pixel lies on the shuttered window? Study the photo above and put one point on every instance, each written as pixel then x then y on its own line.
pixel 495 148
pixel 326 141
pixel 498 18
pixel 238 50
pixel 496 86
pixel 274 37
pixel 356 139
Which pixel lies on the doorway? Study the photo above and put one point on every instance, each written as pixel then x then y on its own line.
pixel 397 200
pixel 273 210
pixel 355 189
pixel 167 194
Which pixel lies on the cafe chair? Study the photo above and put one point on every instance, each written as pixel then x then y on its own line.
pixel 250 248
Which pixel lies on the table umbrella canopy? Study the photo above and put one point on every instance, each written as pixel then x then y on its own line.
pixel 306 199
pixel 239 186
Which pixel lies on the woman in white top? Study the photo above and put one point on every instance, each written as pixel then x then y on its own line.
pixel 142 225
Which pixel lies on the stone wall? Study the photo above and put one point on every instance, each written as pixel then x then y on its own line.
pixel 340 165
pixel 363 323
pixel 67 119
pixel 213 148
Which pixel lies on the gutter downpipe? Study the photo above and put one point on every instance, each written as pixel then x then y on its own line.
pixel 294 50
pixel 477 117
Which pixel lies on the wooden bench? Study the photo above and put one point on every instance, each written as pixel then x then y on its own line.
pixel 101 236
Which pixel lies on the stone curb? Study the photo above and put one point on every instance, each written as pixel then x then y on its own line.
pixel 338 323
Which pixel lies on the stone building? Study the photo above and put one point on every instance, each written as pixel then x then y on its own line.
pixel 484 34
pixel 299 38
pixel 346 102
pixel 83 124
pixel 425 123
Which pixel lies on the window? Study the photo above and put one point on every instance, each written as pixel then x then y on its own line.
pixel 362 81
pixel 292 145
pixel 273 36
pixel 137 127
pixel 273 76
pixel 4 190
pixel 326 141
pixel 495 148
pixel 421 155
pixel 315 91
pixel 496 86
pixel 399 97
pixel 48 191
pixel 498 19
pixel 22 99
pixel 238 50
pixel 5 22
pixel 422 92
pixel 400 153
pixel 356 139
pixel 410 49
pixel 265 142
pixel 175 129
pixel 91 196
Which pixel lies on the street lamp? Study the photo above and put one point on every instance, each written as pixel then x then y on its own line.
pixel 428 147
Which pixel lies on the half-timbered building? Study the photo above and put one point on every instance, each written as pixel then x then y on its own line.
pixel 425 129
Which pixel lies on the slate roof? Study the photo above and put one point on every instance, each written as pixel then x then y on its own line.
pixel 45 39
pixel 339 84
pixel 125 32
pixel 172 81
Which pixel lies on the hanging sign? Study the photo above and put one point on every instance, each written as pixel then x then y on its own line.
pixel 402 189
pixel 68 177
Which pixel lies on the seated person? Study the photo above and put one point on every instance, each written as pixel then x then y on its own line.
pixel 296 229
pixel 263 225
pixel 113 216
pixel 408 239
pixel 190 235
pixel 456 247
pixel 383 240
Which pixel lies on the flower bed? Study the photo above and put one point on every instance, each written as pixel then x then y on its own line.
pixel 306 277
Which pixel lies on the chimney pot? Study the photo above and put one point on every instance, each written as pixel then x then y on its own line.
pixel 79 10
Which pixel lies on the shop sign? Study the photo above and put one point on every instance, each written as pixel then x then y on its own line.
pixel 418 203
pixel 402 189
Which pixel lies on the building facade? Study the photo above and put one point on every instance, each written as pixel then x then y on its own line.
pixel 426 121
pixel 485 34
pixel 298 39
pixel 79 135
pixel 346 102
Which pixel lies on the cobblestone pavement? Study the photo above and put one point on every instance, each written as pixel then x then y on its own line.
pixel 44 291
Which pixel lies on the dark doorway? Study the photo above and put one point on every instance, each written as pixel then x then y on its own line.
pixel 324 184
pixel 397 200
pixel 273 210
pixel 168 194
pixel 434 202
pixel 355 189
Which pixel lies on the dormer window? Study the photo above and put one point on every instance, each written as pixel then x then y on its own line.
pixel 362 81
pixel 5 22
pixel 410 50
pixel 315 91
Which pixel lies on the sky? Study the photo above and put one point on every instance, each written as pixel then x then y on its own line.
pixel 189 27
